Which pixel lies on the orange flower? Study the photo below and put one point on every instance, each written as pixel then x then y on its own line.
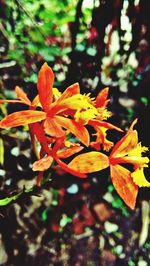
pixel 101 128
pixel 128 151
pixel 58 152
pixel 53 119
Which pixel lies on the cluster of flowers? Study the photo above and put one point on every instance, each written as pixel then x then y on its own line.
pixel 53 116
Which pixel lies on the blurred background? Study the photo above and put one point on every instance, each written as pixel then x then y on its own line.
pixel 98 43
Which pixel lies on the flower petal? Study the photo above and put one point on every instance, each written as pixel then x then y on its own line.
pixel 70 91
pixel 101 99
pixel 123 183
pixel 68 169
pixel 52 128
pixel 139 178
pixel 42 164
pixel 69 151
pixel 125 145
pixel 96 122
pixel 75 128
pixel 44 85
pixel 38 130
pixel 89 162
pixel 22 95
pixel 22 118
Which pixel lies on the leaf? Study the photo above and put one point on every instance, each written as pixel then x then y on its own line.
pixel 75 128
pixel 44 85
pixel 89 162
pixel 124 185
pixel 1 152
pixel 6 201
pixel 42 164
pixel 12 199
pixel 22 118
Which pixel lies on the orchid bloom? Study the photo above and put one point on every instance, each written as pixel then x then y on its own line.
pixel 58 152
pixel 101 127
pixel 70 112
pixel 128 151
pixel 51 115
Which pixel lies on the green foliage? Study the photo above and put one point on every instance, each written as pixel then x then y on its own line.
pixel 36 28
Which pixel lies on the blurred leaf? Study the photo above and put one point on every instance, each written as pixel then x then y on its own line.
pixel 144 100
pixel 65 220
pixel 1 152
pixel 12 199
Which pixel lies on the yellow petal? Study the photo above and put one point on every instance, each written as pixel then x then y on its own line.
pixel 139 178
pixel 89 162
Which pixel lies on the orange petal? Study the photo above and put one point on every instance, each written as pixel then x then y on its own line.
pixel 96 122
pixel 22 95
pixel 38 131
pixel 70 91
pixel 123 183
pixel 44 85
pixel 75 128
pixel 89 162
pixel 52 128
pixel 68 169
pixel 68 152
pixel 125 145
pixel 58 106
pixel 22 118
pixel 11 101
pixel 42 164
pixel 101 99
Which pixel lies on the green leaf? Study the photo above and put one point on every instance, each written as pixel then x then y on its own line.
pixel 1 152
pixel 12 199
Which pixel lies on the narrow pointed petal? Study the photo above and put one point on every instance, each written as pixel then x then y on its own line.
pixel 75 128
pixel 69 151
pixel 44 85
pixel 36 101
pixel 42 164
pixel 139 178
pixel 101 99
pixel 22 95
pixel 22 118
pixel 124 185
pixel 125 145
pixel 38 130
pixel 96 122
pixel 11 101
pixel 68 169
pixel 89 162
pixel 70 91
pixel 52 128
